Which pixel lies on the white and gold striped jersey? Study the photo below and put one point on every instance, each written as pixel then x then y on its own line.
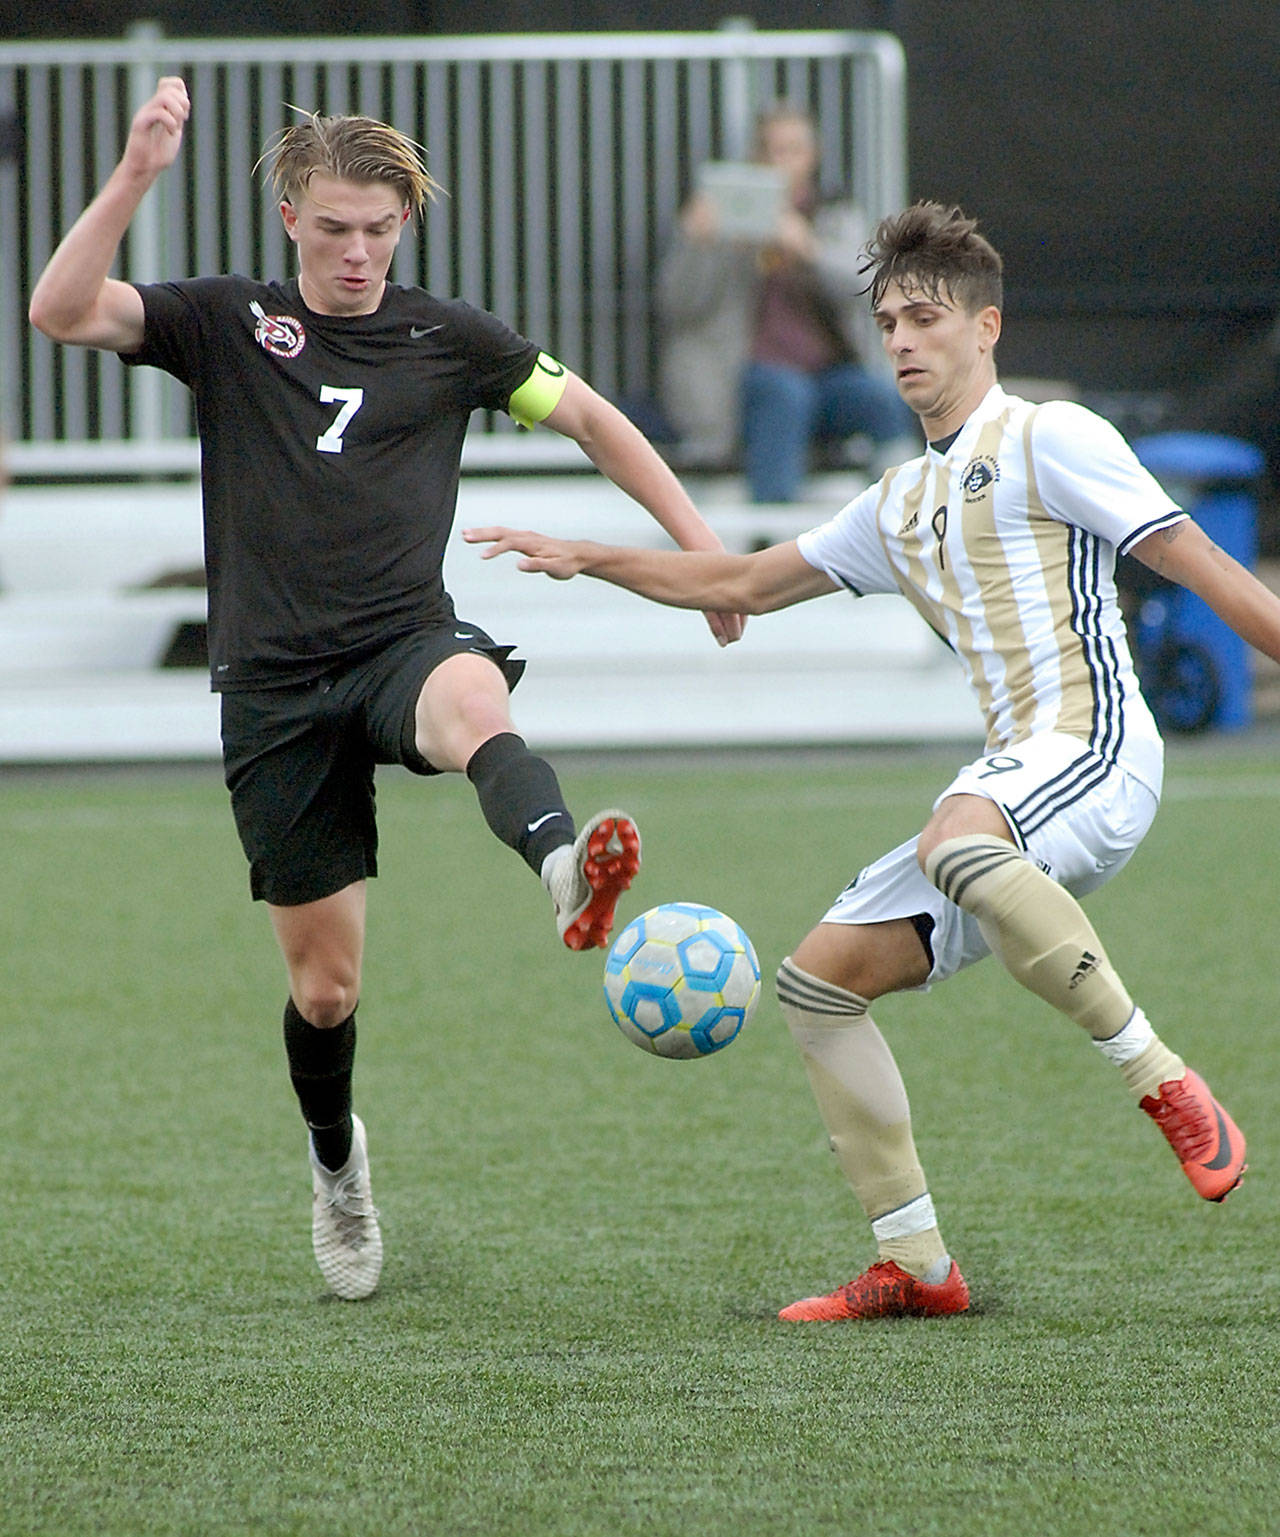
pixel 1006 544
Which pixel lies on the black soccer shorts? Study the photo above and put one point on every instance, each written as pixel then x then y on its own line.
pixel 299 761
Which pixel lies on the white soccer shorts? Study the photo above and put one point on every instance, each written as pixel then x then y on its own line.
pixel 1076 816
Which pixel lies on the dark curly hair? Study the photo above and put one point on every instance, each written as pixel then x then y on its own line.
pixel 936 250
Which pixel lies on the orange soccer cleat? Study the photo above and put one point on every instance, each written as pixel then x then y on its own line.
pixel 885 1291
pixel 587 879
pixel 1209 1144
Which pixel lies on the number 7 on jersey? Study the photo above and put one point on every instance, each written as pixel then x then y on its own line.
pixel 330 440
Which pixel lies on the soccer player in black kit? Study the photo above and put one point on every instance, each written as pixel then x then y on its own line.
pixel 331 411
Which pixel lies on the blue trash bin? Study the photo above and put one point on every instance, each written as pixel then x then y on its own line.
pixel 1214 478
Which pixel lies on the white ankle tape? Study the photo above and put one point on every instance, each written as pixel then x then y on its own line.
pixel 552 860
pixel 1128 1043
pixel 915 1217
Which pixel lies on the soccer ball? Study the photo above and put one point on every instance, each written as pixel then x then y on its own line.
pixel 681 980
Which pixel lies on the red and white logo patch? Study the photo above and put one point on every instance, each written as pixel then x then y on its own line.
pixel 281 335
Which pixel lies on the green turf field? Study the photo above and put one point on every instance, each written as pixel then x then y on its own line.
pixel 586 1246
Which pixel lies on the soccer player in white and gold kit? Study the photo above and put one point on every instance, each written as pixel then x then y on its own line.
pixel 1004 535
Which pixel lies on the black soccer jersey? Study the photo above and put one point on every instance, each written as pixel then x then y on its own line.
pixel 330 459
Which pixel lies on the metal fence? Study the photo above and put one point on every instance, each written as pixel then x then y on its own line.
pixel 565 158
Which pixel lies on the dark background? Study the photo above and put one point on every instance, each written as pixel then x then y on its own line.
pixel 1125 158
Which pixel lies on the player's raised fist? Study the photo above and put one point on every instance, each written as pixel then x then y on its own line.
pixel 155 135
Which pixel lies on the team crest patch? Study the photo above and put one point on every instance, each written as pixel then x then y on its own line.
pixel 281 335
pixel 978 475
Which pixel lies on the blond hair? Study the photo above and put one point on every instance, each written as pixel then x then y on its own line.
pixel 349 148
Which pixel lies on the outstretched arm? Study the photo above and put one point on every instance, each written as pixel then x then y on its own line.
pixel 1185 554
pixel 618 449
pixel 75 300
pixel 705 579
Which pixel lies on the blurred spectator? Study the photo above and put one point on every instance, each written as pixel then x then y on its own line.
pixel 760 346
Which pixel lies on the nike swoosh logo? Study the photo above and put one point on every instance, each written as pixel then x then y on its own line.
pixel 463 635
pixel 418 332
pixel 1223 1156
pixel 532 827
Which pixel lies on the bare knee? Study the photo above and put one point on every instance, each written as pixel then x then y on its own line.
pixel 958 816
pixel 324 998
pixel 869 959
pixel 448 743
pixel 322 944
pixel 463 703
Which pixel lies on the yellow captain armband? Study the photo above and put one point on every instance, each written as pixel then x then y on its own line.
pixel 535 400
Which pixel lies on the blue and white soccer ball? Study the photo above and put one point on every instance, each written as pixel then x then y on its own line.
pixel 681 980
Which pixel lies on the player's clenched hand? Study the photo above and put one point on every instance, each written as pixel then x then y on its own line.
pixel 726 627
pixel 155 135
pixel 560 558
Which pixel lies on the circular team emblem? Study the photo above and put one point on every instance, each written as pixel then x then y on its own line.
pixel 978 475
pixel 281 335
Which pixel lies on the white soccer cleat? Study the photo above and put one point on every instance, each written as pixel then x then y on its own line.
pixel 344 1221
pixel 586 879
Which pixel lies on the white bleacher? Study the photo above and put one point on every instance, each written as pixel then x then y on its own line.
pixel 573 228
pixel 81 636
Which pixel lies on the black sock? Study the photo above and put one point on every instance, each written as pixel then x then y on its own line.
pixel 320 1069
pixel 520 797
